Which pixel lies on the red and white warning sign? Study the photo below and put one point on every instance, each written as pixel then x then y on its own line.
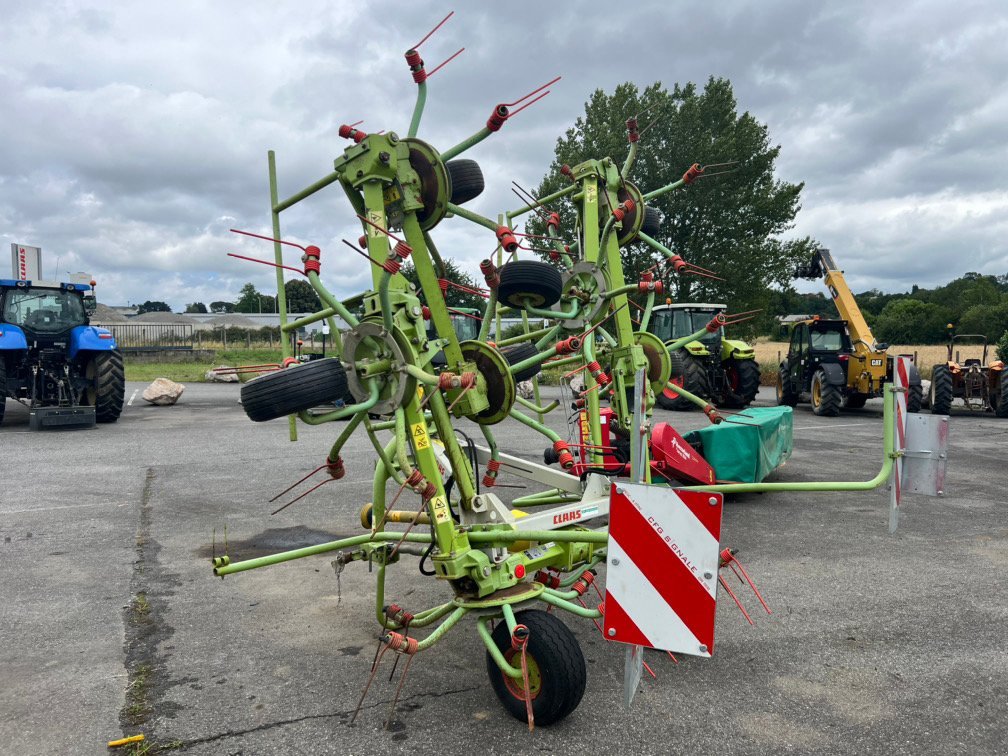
pixel 901 380
pixel 661 582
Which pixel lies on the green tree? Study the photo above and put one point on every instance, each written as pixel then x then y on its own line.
pixel 910 321
pixel 728 223
pixel 1002 349
pixel 196 307
pixel 251 299
pixel 301 297
pixel 454 297
pixel 221 306
pixel 990 320
pixel 150 306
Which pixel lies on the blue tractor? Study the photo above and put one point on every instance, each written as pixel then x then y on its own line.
pixel 66 371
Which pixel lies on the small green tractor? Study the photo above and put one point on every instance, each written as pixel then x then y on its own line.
pixel 714 367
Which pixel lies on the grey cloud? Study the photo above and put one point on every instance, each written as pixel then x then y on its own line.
pixel 135 136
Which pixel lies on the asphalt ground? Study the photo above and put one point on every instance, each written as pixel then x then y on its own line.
pixel 112 622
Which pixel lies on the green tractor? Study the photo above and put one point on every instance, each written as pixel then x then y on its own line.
pixel 714 367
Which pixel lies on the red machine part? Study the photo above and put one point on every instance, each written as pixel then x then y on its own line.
pixel 672 458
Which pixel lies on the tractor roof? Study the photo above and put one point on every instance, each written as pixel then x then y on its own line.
pixel 13 283
pixel 690 306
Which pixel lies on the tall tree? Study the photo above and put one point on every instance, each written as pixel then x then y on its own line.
pixel 730 223
pixel 196 307
pixel 221 306
pixel 150 306
pixel 301 297
pixel 251 300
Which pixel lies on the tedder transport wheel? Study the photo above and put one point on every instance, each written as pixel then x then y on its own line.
pixel 538 282
pixel 652 222
pixel 466 180
pixel 941 390
pixel 689 374
pixel 786 398
pixel 107 386
pixel 519 353
pixel 826 398
pixel 294 389
pixel 1000 394
pixel 743 377
pixel 556 669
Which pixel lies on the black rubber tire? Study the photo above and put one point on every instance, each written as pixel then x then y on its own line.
pixel 855 401
pixel 694 379
pixel 941 390
pixel 107 393
pixel 742 377
pixel 519 353
pixel 3 388
pixel 562 668
pixel 1000 393
pixel 784 398
pixel 466 180
pixel 652 222
pixel 294 389
pixel 830 396
pixel 539 282
pixel 915 397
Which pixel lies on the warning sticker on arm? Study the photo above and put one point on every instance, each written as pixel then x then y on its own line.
pixel 420 438
pixel 440 507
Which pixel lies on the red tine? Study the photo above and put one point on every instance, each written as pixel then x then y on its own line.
pixel 431 32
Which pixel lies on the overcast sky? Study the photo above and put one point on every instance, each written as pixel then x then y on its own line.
pixel 134 135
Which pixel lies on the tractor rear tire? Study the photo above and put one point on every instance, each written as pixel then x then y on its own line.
pixel 1000 392
pixel 915 397
pixel 108 388
pixel 519 353
pixel 941 390
pixel 466 180
pixel 784 398
pixel 826 398
pixel 294 389
pixel 538 282
pixel 3 388
pixel 688 373
pixel 742 378
pixel 557 671
pixel 855 401
pixel 652 222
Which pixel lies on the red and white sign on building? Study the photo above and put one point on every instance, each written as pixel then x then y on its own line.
pixel 26 262
pixel 661 582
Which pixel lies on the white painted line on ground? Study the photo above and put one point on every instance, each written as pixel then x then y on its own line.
pixel 130 402
pixel 66 506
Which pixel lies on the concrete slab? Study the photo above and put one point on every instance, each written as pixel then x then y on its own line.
pixel 112 622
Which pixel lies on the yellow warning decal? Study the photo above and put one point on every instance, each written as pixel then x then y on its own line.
pixel 440 507
pixel 420 438
pixel 392 194
pixel 590 193
pixel 377 219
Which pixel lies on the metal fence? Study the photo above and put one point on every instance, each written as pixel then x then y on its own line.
pixel 151 337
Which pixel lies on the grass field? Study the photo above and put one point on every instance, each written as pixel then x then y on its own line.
pixel 927 355
pixel 195 371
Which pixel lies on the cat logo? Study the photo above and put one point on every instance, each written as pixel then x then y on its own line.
pixel 876 363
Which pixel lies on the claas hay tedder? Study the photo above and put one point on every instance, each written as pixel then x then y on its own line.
pixel 626 494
